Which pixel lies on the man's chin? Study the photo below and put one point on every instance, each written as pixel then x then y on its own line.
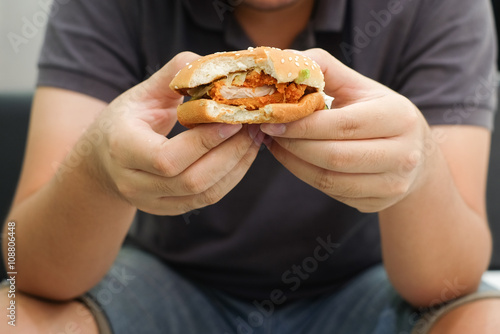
pixel 269 4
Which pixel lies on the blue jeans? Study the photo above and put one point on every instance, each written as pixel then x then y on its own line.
pixel 141 294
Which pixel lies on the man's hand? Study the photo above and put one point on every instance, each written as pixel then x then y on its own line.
pixel 367 151
pixel 169 176
pixel 374 151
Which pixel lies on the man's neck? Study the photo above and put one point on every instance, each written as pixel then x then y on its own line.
pixel 277 28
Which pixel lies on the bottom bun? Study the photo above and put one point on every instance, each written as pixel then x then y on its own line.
pixel 200 111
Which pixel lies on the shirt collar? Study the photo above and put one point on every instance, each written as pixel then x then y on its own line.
pixel 328 16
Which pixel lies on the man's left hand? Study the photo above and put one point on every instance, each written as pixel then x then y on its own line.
pixel 368 151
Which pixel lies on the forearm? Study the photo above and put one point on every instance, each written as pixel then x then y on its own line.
pixel 432 241
pixel 68 234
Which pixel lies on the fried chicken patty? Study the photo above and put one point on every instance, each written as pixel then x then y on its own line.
pixel 279 92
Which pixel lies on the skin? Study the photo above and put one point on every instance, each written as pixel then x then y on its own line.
pixel 258 17
pixel 375 152
pixel 114 159
pixel 269 5
pixel 126 164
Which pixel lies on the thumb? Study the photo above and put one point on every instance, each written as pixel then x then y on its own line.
pixel 342 82
pixel 157 84
pixel 152 100
pixel 158 98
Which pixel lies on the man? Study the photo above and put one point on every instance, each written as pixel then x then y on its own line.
pixel 232 239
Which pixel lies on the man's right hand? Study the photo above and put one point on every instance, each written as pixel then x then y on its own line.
pixel 89 165
pixel 165 176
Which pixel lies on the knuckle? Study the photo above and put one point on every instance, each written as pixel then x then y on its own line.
pixel 347 126
pixel 205 143
pixel 164 165
pixel 336 158
pixel 324 181
pixel 410 161
pixel 305 127
pixel 128 191
pixel 399 188
pixel 409 115
pixel 211 196
pixel 194 184
pixel 396 186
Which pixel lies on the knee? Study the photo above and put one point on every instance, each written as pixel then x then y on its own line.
pixel 476 317
pixel 27 314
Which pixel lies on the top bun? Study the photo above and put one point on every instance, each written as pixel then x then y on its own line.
pixel 284 66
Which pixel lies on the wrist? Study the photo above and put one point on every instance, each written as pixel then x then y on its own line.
pixel 86 164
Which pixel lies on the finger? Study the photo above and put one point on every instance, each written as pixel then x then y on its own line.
pixel 154 92
pixel 176 205
pixel 342 186
pixel 380 118
pixel 347 156
pixel 341 81
pixel 153 153
pixel 152 100
pixel 164 76
pixel 201 175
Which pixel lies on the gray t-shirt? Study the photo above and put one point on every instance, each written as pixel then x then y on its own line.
pixel 272 233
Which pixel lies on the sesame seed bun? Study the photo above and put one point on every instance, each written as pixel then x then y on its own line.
pixel 284 66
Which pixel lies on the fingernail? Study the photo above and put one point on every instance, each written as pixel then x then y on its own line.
pixel 227 130
pixel 253 130
pixel 255 133
pixel 273 129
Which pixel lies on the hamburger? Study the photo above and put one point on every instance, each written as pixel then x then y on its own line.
pixel 258 85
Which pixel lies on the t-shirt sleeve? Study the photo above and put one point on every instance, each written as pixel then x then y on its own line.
pixel 448 66
pixel 89 48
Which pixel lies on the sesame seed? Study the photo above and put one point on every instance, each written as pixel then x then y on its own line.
pixel 237 54
pixel 282 60
pixel 289 74
pixel 187 64
pixel 290 58
pixel 189 67
pixel 297 63
pixel 176 87
pixel 297 58
pixel 307 64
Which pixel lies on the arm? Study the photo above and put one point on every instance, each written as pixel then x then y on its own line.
pixel 41 203
pixel 436 242
pixel 374 151
pixel 86 171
